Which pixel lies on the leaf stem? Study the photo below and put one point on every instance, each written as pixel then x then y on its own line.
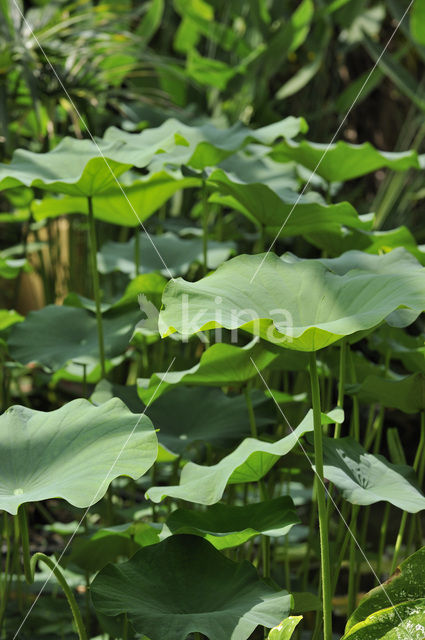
pixel 352 562
pixel 321 501
pixel 96 286
pixel 418 458
pixel 205 226
pixel 341 382
pixel 137 252
pixel 30 564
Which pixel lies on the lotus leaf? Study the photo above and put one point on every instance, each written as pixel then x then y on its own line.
pixel 304 305
pixel 73 452
pixel 249 462
pixel 183 585
pixel 227 526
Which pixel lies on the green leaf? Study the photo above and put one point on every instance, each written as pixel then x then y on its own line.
pixel 73 452
pixel 273 208
pixel 396 72
pixel 56 335
pixel 417 21
pixel 285 629
pixel 226 526
pixel 368 241
pixel 303 304
pixel 177 253
pixel 220 365
pixel 402 622
pixel 406 584
pixel 9 318
pixel 151 21
pixel 365 478
pixel 74 167
pixel 109 544
pixel 249 462
pixel 342 161
pixel 10 267
pixel 210 72
pixel 410 350
pixel 406 393
pixel 112 205
pixel 222 599
pixel 214 417
pixel 199 146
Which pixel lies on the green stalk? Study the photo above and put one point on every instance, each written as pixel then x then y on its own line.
pixel 416 463
pixel 137 252
pixel 96 286
pixel 251 414
pixel 353 562
pixel 5 581
pixel 30 564
pixel 265 540
pixel 321 501
pixel 205 227
pixel 398 541
pixel 341 382
pixel 382 539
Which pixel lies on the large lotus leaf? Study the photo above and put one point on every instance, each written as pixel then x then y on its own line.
pixel 183 585
pixel 73 452
pixel 365 478
pixel 254 167
pixel 220 365
pixel 342 161
pixel 406 393
pixel 302 305
pixel 138 202
pixel 214 417
pixel 177 253
pixel 226 526
pixel 274 208
pixel 407 584
pixel 92 552
pixel 204 145
pixel 56 335
pixel 405 621
pixel 249 462
pixel 74 167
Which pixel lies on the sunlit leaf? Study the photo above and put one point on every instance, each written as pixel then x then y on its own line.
pixel 73 452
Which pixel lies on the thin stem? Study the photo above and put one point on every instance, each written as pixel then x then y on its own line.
pixel 96 285
pixel 205 226
pixel 341 382
pixel 321 501
pixel 398 541
pixel 30 564
pixel 125 627
pixel 251 414
pixel 353 562
pixel 416 463
pixel 137 252
pixel 382 539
